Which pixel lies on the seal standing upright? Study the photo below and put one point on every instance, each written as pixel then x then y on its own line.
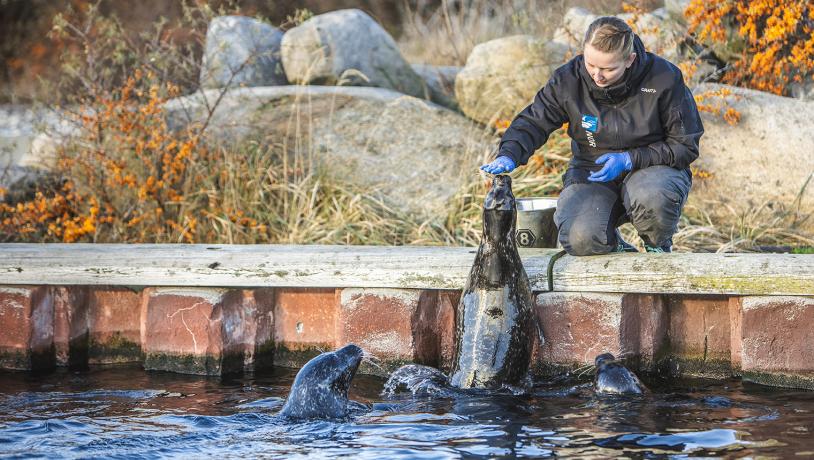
pixel 320 389
pixel 494 317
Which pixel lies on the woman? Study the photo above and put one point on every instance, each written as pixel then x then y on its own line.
pixel 634 131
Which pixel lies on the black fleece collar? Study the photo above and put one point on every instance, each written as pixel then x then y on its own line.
pixel 631 79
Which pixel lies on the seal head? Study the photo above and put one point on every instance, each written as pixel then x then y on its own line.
pixel 320 389
pixel 614 378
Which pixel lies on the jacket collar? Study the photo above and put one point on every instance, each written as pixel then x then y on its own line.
pixel 631 79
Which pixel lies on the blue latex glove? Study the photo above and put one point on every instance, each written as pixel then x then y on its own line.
pixel 501 165
pixel 615 164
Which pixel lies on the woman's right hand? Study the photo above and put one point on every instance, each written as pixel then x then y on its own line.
pixel 501 165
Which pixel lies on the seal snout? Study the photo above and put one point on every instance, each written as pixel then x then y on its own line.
pixel 500 195
pixel 604 358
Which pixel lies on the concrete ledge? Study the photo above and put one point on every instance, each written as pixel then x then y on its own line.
pixel 314 266
pixel 225 309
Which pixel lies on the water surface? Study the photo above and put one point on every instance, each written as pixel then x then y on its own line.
pixel 124 412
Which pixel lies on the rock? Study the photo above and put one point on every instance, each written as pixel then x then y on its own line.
pixel 764 158
pixel 241 51
pixel 802 91
pixel 658 32
pixel 440 81
pixel 502 76
pixel 28 140
pixel 576 22
pixel 347 48
pixel 415 152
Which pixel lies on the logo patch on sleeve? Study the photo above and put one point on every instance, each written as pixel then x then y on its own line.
pixel 590 123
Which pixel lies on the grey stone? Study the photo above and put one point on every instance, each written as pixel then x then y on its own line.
pixel 502 76
pixel 440 82
pixel 660 34
pixel 347 48
pixel 241 51
pixel 416 153
pixel 765 158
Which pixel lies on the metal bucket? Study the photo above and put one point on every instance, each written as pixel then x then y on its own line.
pixel 535 222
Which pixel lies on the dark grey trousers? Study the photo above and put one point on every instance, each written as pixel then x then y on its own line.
pixel 589 212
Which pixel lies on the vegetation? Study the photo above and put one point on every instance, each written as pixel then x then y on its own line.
pixel 126 177
pixel 771 41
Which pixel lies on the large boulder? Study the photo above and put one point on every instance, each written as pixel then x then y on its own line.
pixel 659 32
pixel 241 51
pixel 440 81
pixel 418 154
pixel 347 48
pixel 502 76
pixel 28 141
pixel 767 157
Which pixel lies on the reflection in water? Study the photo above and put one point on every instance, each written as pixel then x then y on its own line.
pixel 130 413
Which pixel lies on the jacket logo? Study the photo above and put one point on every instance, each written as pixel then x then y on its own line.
pixel 590 123
pixel 648 90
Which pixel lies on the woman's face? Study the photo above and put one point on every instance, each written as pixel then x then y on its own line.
pixel 605 68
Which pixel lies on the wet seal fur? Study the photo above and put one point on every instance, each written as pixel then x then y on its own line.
pixel 320 389
pixel 612 377
pixel 495 320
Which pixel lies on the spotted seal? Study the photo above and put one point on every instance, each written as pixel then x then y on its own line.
pixel 495 320
pixel 320 389
pixel 612 377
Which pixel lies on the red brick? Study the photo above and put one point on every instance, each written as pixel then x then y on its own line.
pixel 700 335
pixel 184 330
pixel 27 325
pixel 248 328
pixel 394 325
pixel 71 326
pixel 447 305
pixel 306 319
pixel 577 327
pixel 777 340
pixel 644 329
pixel 114 321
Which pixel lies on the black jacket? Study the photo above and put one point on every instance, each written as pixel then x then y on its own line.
pixel 650 113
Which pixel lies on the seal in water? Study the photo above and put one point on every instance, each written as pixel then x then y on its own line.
pixel 320 389
pixel 614 378
pixel 495 322
pixel 418 380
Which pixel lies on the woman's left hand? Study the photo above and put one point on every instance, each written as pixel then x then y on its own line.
pixel 615 164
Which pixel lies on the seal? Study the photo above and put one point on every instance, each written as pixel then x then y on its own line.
pixel 320 389
pixel 495 319
pixel 419 380
pixel 614 378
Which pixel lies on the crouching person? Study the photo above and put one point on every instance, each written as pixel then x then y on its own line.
pixel 635 129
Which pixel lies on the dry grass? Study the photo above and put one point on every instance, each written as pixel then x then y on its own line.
pixel 275 193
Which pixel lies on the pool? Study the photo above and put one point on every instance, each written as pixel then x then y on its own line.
pixel 124 412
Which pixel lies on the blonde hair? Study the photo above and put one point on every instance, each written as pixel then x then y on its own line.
pixel 610 35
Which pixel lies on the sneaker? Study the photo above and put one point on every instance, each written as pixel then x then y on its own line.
pixel 623 246
pixel 658 249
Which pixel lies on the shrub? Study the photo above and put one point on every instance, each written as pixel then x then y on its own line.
pixel 772 40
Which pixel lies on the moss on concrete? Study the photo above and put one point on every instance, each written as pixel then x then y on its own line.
pixel 15 360
pixel 757 285
pixel 780 379
pixel 697 366
pixel 183 363
pixel 116 349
